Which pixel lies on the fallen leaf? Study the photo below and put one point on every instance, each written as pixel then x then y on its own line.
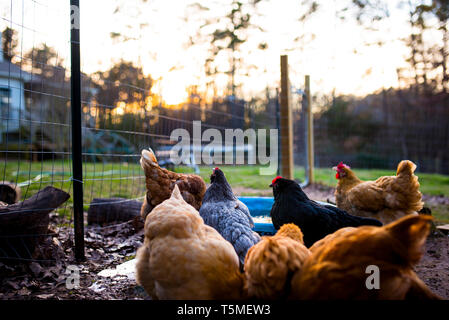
pixel 35 268
pixel 45 296
pixel 13 285
pixel 24 292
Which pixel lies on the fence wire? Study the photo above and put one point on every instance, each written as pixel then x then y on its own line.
pixel 34 129
pixel 120 117
pixel 382 129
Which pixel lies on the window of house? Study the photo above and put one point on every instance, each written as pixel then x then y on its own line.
pixel 5 94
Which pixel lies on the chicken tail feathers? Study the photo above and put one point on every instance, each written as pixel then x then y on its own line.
pixel 348 220
pixel 408 184
pixel 412 232
pixel 176 194
pixel 369 222
pixel 291 231
pixel 406 167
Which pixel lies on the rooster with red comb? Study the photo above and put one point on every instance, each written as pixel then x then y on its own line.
pixel 292 205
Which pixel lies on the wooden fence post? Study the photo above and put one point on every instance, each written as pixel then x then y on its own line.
pixel 309 114
pixel 287 166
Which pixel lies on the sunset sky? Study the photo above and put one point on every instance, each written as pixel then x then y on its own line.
pixel 337 58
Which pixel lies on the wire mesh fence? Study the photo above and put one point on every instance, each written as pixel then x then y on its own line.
pixel 382 129
pixel 120 117
pixel 34 129
pixel 122 114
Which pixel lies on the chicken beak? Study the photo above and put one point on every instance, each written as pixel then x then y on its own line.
pixel 335 168
pixel 145 154
pixel 148 159
pixel 271 185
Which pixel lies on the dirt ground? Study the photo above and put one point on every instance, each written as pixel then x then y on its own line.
pixel 433 268
pixel 106 248
pixel 109 246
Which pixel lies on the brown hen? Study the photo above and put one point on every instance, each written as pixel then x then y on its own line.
pixel 271 263
pixel 184 259
pixel 338 268
pixel 386 199
pixel 160 183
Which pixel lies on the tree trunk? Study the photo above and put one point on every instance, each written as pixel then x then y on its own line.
pixel 112 209
pixel 10 193
pixel 22 225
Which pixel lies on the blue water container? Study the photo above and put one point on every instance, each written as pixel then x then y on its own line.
pixel 261 207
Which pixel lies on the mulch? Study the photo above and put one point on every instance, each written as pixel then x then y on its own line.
pixel 109 246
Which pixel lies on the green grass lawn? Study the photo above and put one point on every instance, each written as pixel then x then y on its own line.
pixel 431 184
pixel 126 179
pixel 248 176
pixel 100 180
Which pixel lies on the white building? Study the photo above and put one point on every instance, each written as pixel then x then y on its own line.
pixel 12 96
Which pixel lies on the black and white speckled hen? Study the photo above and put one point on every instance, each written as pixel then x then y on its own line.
pixel 229 216
pixel 291 205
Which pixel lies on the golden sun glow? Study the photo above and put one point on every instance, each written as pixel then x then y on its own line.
pixel 334 53
pixel 120 110
pixel 172 88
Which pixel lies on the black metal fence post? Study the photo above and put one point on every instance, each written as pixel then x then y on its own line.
pixel 77 160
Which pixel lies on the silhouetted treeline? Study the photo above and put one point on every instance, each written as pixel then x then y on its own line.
pixel 381 129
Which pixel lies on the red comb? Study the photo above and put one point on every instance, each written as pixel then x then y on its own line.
pixel 276 179
pixel 341 165
pixel 216 168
